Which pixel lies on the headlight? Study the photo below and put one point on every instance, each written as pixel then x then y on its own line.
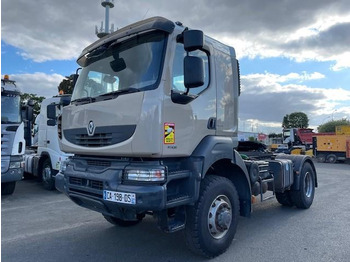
pixel 145 175
pixel 63 166
pixel 15 165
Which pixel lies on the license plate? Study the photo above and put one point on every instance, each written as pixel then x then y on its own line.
pixel 119 197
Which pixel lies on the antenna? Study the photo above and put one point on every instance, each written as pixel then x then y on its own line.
pixel 107 4
pixel 145 14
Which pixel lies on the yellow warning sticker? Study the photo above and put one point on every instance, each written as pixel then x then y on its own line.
pixel 169 133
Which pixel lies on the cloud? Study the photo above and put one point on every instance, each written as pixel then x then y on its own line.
pixel 40 84
pixel 300 30
pixel 48 30
pixel 267 97
pixel 271 82
pixel 329 44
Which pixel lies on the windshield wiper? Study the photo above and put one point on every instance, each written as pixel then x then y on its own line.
pixel 9 122
pixel 120 92
pixel 87 99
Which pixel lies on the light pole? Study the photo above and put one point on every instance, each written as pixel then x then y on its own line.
pixel 325 119
pixel 333 113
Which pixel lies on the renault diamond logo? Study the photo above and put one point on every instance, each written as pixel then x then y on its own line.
pixel 91 128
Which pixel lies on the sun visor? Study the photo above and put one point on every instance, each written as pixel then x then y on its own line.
pixel 154 23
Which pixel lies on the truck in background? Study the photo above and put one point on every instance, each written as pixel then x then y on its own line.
pixel 44 158
pixel 332 148
pixel 297 136
pixel 12 136
pixel 300 136
pixel 342 130
pixel 153 126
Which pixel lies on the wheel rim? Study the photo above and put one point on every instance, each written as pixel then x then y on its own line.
pixel 46 173
pixel 308 184
pixel 331 159
pixel 321 158
pixel 219 217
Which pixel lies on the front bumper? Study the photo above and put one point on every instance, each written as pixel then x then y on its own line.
pixel 84 182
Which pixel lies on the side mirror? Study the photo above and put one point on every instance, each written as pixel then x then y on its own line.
pixel 29 113
pixel 51 112
pixel 193 71
pixel 193 40
pixel 51 122
pixel 65 101
pixel 74 78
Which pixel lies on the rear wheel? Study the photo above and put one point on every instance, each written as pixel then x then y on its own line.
pixel 8 188
pixel 321 158
pixel 331 158
pixel 304 197
pixel 48 175
pixel 121 222
pixel 211 223
pixel 284 199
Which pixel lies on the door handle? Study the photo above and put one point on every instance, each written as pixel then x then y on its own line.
pixel 211 123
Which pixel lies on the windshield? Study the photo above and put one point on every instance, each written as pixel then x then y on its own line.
pixel 10 108
pixel 286 134
pixel 119 68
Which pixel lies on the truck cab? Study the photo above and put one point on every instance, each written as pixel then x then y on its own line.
pixel 44 158
pixel 12 136
pixel 153 125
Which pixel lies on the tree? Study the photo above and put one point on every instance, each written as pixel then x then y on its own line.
pixel 295 120
pixel 285 121
pixel 37 102
pixel 330 125
pixel 67 85
pixel 274 135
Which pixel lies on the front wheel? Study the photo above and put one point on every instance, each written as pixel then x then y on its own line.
pixel 211 223
pixel 48 175
pixel 304 197
pixel 8 188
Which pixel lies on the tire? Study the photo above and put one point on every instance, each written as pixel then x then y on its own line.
pixel 8 188
pixel 321 158
pixel 331 158
pixel 305 196
pixel 48 175
pixel 284 199
pixel 123 223
pixel 218 200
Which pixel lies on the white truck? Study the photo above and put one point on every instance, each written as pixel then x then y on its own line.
pixel 44 158
pixel 153 127
pixel 12 136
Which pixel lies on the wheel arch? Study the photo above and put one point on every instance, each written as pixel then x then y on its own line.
pixel 220 158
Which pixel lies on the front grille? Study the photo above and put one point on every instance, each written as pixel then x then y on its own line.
pixel 85 193
pixel 6 144
pixel 103 135
pixel 99 163
pixel 94 184
pixel 97 140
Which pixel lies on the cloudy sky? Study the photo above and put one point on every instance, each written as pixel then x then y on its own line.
pixel 294 55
